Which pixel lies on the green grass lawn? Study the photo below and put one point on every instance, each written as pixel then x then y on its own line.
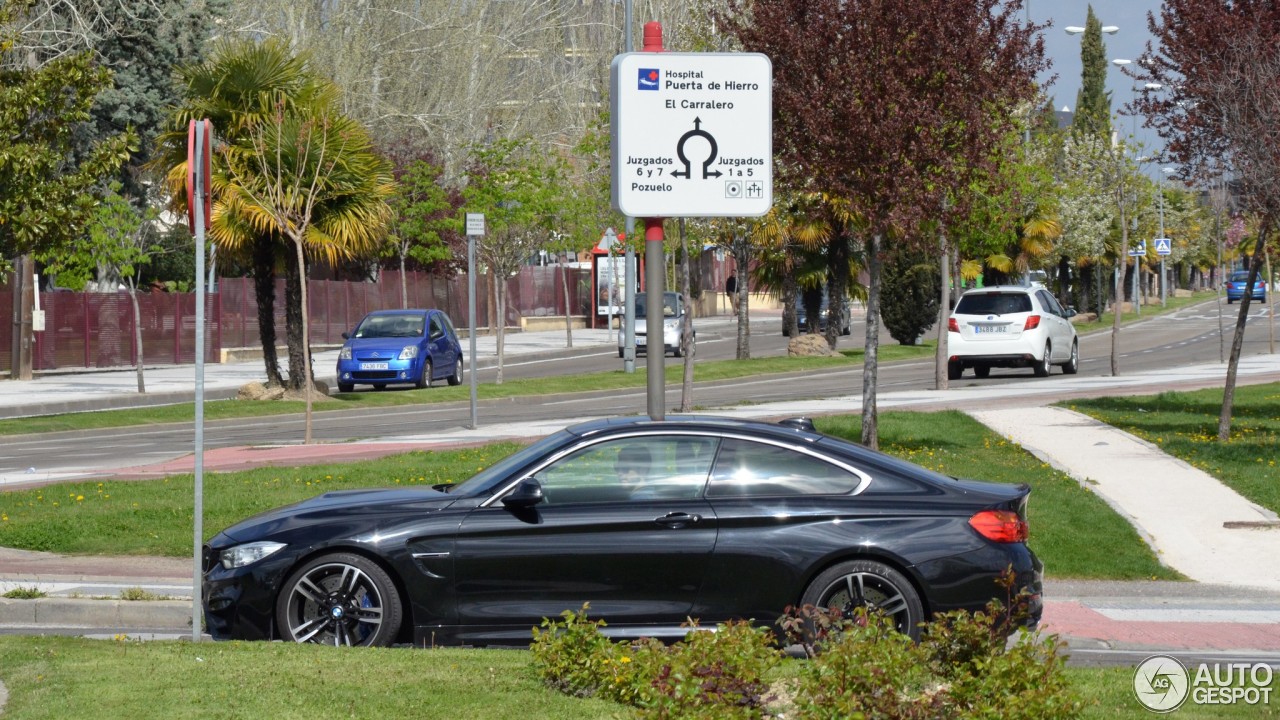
pixel 154 517
pixel 52 678
pixel 1185 425
pixel 711 371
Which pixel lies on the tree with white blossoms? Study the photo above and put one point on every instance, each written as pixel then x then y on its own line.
pixel 1085 210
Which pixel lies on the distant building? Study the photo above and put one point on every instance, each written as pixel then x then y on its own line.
pixel 1064 116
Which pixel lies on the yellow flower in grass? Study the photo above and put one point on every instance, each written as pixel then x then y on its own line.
pixel 79 498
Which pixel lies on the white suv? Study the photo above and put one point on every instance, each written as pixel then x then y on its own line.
pixel 1011 326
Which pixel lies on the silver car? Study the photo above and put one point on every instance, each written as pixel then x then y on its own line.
pixel 673 311
pixel 1011 326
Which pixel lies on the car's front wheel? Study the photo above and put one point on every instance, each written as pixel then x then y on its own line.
pixel 424 381
pixel 867 583
pixel 456 377
pixel 1043 366
pixel 339 599
pixel 1073 363
pixel 346 387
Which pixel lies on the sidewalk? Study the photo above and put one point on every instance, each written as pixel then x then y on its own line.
pixel 1180 511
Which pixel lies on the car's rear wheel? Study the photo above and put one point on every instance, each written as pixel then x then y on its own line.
pixel 339 599
pixel 1073 364
pixel 871 584
pixel 456 377
pixel 981 371
pixel 954 370
pixel 424 381
pixel 1046 363
pixel 346 387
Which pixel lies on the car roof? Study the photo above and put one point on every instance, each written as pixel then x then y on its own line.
pixel 398 311
pixel 1005 288
pixel 790 428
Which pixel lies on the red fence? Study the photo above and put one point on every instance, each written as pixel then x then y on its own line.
pixel 95 330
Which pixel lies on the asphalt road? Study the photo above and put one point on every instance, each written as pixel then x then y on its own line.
pixel 1185 337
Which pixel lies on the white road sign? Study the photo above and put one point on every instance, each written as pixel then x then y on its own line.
pixel 692 134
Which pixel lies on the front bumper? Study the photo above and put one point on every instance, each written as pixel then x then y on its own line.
pixel 365 372
pixel 239 604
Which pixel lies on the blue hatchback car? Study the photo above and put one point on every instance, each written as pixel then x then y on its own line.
pixel 400 346
pixel 1239 281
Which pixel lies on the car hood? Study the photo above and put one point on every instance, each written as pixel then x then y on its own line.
pixel 346 506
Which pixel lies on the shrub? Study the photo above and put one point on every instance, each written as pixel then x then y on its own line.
pixel 708 675
pixel 909 298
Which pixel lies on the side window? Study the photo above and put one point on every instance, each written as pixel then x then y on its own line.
pixel 437 329
pixel 751 469
pixel 1049 302
pixel 652 467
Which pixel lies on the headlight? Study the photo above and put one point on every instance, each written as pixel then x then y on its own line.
pixel 345 353
pixel 409 352
pixel 242 555
pixel 670 325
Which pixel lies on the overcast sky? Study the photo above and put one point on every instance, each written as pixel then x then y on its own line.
pixel 1063 50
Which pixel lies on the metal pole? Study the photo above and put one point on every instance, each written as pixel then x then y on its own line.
pixel 1163 278
pixel 655 282
pixel 197 603
pixel 629 321
pixel 655 346
pixel 471 322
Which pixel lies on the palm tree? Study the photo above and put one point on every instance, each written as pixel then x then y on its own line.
pixel 241 83
pixel 311 176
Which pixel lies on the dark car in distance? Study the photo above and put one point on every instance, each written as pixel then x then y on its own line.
pixel 651 522
pixel 400 346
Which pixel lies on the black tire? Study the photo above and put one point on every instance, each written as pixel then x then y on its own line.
pixel 1072 366
pixel 1042 368
pixel 622 353
pixel 982 372
pixel 954 370
pixel 346 387
pixel 456 377
pixel 676 352
pixel 339 599
pixel 425 380
pixel 873 584
pixel 381 387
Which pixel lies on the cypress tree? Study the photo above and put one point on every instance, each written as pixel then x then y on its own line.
pixel 1093 102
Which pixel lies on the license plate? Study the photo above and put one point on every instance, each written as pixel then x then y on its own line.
pixel 374 366
pixel 983 329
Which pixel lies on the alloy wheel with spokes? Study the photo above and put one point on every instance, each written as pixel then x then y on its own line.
pixel 874 585
pixel 339 599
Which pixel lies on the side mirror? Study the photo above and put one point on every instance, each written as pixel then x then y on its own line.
pixel 1071 312
pixel 345 336
pixel 527 494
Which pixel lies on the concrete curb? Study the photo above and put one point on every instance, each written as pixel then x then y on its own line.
pixel 107 614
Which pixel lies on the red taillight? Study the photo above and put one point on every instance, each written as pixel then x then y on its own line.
pixel 1033 322
pixel 1004 526
pixel 952 325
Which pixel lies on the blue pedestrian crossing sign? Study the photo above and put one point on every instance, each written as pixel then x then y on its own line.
pixel 1138 249
pixel 1164 246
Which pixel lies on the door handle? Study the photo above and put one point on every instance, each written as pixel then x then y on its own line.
pixel 677 519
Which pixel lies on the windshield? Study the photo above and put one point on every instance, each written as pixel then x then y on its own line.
pixel 485 480
pixel 670 305
pixel 383 326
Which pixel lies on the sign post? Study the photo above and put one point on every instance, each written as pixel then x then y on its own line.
pixel 1164 247
pixel 691 136
pixel 199 148
pixel 475 228
pixel 1137 252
